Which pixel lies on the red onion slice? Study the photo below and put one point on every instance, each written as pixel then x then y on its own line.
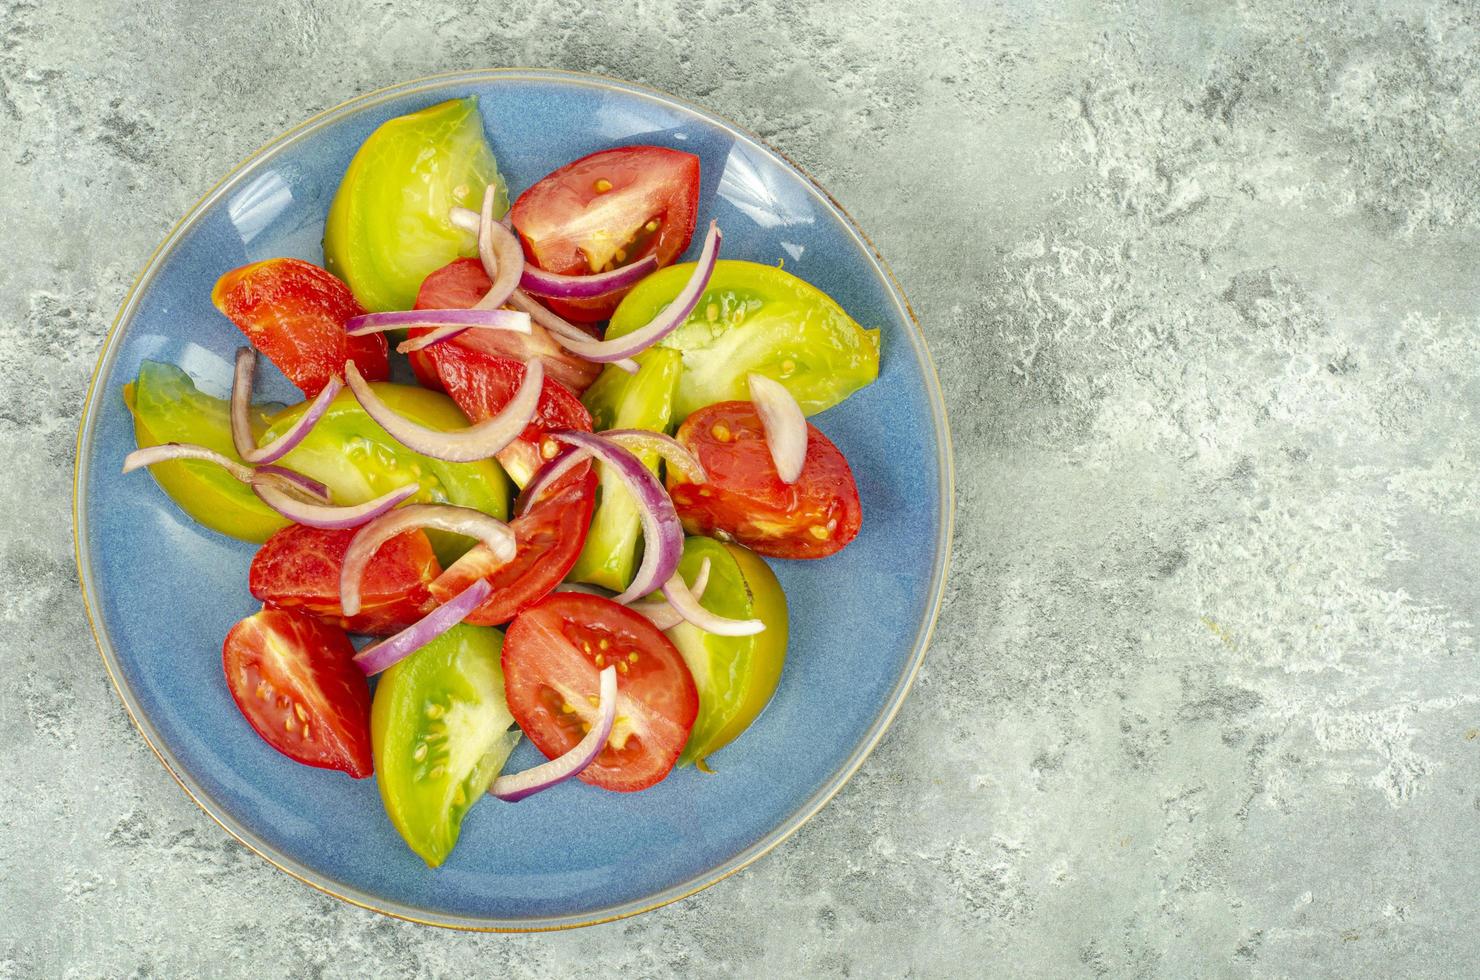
pixel 559 327
pixel 300 510
pixel 541 283
pixel 378 656
pixel 512 789
pixel 443 517
pixel 662 533
pixel 448 332
pixel 502 256
pixel 562 463
pixel 674 453
pixel 299 483
pixel 480 441
pixel 686 604
pixel 667 321
pixel 465 218
pixel 662 614
pixel 241 414
pixel 169 451
pixel 785 425
pixel 369 323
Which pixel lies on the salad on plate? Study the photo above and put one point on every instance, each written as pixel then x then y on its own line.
pixel 561 530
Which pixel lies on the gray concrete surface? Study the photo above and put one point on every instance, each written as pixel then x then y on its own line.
pixel 1201 279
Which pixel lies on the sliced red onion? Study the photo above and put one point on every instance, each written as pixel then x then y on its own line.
pixel 562 463
pixel 297 481
pixel 542 283
pixel 686 604
pixel 296 508
pixel 170 451
pixel 480 441
pixel 674 453
pixel 662 614
pixel 667 321
pixel 512 789
pixel 785 425
pixel 559 327
pixel 378 656
pixel 459 320
pixel 241 414
pixel 502 256
pixel 443 517
pixel 662 533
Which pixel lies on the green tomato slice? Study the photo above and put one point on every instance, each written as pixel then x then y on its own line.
pixel 167 407
pixel 735 675
pixel 388 227
pixel 618 400
pixel 439 733
pixel 357 460
pixel 756 318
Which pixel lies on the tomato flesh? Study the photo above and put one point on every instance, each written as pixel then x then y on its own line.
pixel 294 312
pixel 548 536
pixel 295 681
pixel 609 209
pixel 460 285
pixel 298 568
pixel 745 497
pixel 553 656
pixel 482 384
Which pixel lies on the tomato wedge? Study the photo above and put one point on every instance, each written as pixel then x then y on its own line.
pixel 553 655
pixel 549 536
pixel 295 681
pixel 298 568
pixel 294 312
pixel 482 384
pixel 746 499
pixel 606 210
pixel 460 285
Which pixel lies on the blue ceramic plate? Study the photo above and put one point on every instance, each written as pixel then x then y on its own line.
pixel 162 592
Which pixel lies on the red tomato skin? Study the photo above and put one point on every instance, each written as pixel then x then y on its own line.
pixel 294 312
pixel 549 539
pixel 658 680
pixel 298 568
pixel 333 729
pixel 745 498
pixel 459 285
pixel 482 384
pixel 664 184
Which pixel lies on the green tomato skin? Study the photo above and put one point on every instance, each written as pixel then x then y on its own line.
pixel 357 460
pixel 618 400
pixel 735 675
pixel 167 407
pixel 756 318
pixel 388 227
pixel 445 703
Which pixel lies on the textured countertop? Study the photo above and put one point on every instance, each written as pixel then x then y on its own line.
pixel 1201 281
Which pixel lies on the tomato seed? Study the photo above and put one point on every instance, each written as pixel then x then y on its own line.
pixel 603 185
pixel 420 753
pixel 720 431
pixel 434 711
pixel 600 660
pixel 632 656
pixel 819 532
pixel 298 710
pixel 651 226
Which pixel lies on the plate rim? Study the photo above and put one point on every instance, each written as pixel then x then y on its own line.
pixel 744 858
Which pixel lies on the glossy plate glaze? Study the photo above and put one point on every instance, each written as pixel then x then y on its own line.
pixel 162 592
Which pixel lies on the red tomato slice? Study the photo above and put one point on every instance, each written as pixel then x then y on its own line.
pixel 482 384
pixel 295 681
pixel 298 568
pixel 294 312
pixel 459 285
pixel 606 210
pixel 549 539
pixel 746 499
pixel 553 655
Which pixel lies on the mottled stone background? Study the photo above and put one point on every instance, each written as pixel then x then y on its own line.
pixel 1201 280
